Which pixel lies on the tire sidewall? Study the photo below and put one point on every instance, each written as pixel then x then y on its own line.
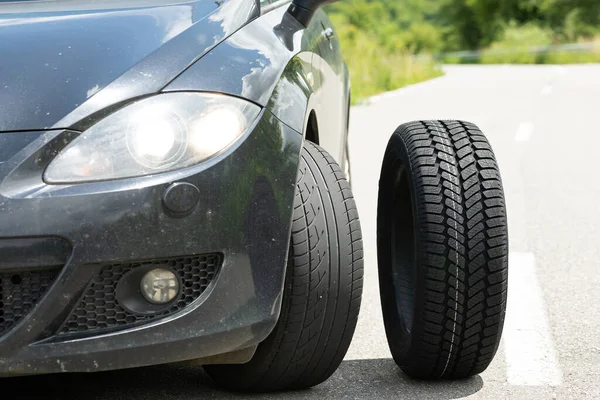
pixel 399 340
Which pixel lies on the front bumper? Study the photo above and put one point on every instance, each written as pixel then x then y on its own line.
pixel 243 214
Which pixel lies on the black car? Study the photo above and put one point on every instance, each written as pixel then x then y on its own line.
pixel 149 156
pixel 173 188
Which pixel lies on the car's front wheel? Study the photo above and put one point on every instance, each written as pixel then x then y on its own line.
pixel 322 292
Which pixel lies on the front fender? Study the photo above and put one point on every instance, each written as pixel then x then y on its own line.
pixel 268 62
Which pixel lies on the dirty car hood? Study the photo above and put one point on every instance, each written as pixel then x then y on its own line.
pixel 62 61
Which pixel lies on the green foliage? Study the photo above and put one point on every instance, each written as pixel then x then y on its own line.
pixel 562 57
pixel 380 62
pixel 380 37
pixel 516 44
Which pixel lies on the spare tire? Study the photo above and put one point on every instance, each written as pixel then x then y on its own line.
pixel 442 249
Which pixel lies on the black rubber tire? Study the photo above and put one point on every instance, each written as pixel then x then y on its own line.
pixel 323 287
pixel 442 243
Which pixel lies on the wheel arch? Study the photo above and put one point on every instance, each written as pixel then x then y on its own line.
pixel 312 128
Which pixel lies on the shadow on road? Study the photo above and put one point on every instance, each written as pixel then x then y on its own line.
pixel 361 379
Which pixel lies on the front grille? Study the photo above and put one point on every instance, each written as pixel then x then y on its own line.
pixel 99 309
pixel 19 293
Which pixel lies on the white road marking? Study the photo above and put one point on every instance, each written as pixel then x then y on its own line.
pixel 524 132
pixel 547 91
pixel 529 348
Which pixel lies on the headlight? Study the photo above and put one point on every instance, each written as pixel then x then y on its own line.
pixel 157 134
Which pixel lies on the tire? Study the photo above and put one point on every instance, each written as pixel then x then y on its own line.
pixel 322 291
pixel 442 249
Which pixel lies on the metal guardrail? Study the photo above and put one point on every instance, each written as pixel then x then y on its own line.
pixel 570 47
pixel 474 54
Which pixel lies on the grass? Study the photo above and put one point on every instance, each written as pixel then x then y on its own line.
pixel 375 68
pixel 383 73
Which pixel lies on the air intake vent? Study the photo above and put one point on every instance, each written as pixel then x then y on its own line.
pixel 19 293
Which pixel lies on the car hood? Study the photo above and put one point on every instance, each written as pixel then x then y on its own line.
pixel 64 63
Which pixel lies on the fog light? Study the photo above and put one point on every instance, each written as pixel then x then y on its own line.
pixel 159 286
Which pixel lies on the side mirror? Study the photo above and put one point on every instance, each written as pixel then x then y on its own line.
pixel 303 10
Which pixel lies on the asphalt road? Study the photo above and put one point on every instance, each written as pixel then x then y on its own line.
pixel 541 122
